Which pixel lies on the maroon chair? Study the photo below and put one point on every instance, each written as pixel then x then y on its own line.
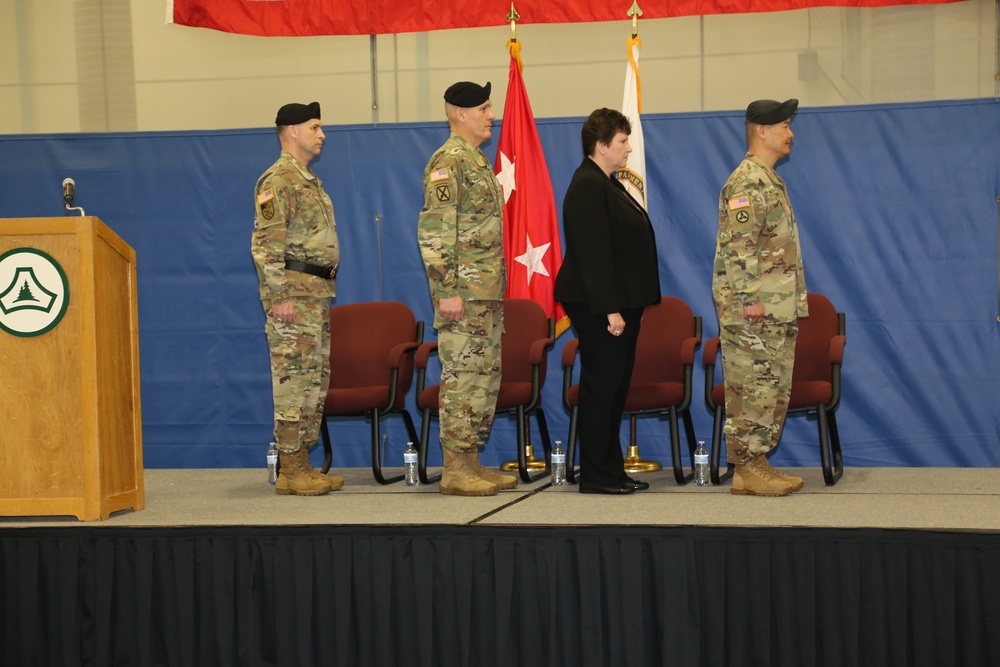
pixel 371 369
pixel 661 379
pixel 528 335
pixel 819 354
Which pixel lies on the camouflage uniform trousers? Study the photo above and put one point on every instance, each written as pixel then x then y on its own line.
pixel 470 375
pixel 300 371
pixel 757 364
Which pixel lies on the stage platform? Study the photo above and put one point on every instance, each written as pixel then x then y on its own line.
pixel 890 566
pixel 962 499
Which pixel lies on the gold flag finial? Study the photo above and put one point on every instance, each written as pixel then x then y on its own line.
pixel 513 17
pixel 635 13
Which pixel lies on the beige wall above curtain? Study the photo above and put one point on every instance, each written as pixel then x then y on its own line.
pixel 117 66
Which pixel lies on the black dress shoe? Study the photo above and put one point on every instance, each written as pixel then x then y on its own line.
pixel 619 489
pixel 639 486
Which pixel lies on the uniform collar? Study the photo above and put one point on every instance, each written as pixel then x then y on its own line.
pixel 771 173
pixel 303 169
pixel 461 141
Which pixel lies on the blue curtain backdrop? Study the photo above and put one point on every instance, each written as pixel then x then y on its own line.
pixel 896 207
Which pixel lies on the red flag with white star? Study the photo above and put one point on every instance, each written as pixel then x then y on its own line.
pixel 531 225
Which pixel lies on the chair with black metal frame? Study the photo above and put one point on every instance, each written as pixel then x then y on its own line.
pixel 816 382
pixel 661 382
pixel 571 401
pixel 371 370
pixel 528 335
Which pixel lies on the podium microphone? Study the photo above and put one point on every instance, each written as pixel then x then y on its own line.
pixel 69 187
pixel 69 190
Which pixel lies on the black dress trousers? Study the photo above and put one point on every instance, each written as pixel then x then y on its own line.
pixel 606 363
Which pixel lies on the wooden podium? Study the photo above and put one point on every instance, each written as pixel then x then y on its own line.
pixel 70 418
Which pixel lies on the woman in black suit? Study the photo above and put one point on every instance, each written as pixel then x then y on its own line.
pixel 609 275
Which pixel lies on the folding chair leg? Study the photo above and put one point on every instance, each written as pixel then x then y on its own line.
pixel 833 465
pixel 543 429
pixel 571 448
pixel 689 433
pixel 324 437
pixel 523 437
pixel 421 451
pixel 717 448
pixel 410 430
pixel 425 430
pixel 675 449
pixel 838 459
pixel 377 452
pixel 692 440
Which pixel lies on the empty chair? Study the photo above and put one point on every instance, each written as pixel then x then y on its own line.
pixel 371 369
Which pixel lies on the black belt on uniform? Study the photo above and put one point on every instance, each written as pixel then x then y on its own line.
pixel 328 272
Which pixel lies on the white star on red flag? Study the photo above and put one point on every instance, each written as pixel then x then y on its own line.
pixel 532 258
pixel 506 176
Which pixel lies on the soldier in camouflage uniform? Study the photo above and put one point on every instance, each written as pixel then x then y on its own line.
pixel 760 292
pixel 296 252
pixel 460 232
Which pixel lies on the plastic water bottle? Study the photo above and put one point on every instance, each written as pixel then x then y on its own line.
pixel 558 465
pixel 410 465
pixel 701 477
pixel 272 464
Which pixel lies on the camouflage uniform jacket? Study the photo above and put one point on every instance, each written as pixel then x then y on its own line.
pixel 757 253
pixel 293 220
pixel 460 230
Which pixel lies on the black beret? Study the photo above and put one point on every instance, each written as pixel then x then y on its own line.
pixel 770 112
pixel 467 94
pixel 293 114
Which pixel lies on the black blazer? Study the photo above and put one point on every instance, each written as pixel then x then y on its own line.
pixel 610 261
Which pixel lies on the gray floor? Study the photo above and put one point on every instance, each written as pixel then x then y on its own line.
pixel 920 498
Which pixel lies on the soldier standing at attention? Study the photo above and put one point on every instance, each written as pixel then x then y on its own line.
pixel 760 292
pixel 295 249
pixel 460 232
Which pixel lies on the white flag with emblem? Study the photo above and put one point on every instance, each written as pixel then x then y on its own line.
pixel 633 176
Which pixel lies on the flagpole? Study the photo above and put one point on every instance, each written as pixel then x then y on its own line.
pixel 633 461
pixel 633 176
pixel 635 13
pixel 512 44
pixel 513 17
pixel 532 463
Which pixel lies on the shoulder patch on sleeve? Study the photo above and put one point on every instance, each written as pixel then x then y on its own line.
pixel 739 202
pixel 267 210
pixel 439 175
pixel 266 195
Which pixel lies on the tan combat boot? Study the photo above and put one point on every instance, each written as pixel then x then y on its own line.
pixel 796 482
pixel 335 482
pixel 752 479
pixel 502 481
pixel 293 480
pixel 458 479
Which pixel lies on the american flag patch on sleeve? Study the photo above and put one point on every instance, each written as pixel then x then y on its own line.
pixel 267 195
pixel 739 202
pixel 439 175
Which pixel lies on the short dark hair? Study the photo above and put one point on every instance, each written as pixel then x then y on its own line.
pixel 602 125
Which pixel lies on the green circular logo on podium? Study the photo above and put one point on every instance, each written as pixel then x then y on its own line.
pixel 34 292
